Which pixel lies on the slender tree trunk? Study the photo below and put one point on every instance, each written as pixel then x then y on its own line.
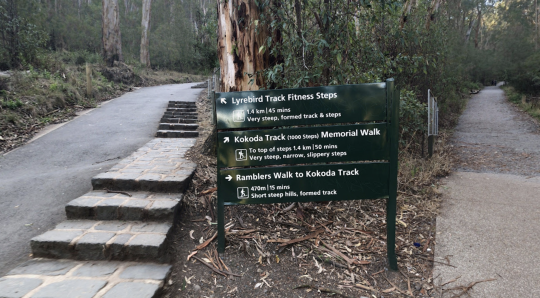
pixel 145 24
pixel 239 46
pixel 468 35
pixel 111 38
pixel 406 11
pixel 536 13
pixel 298 11
pixel 478 26
pixel 431 13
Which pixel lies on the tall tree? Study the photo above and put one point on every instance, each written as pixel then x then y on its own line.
pixel 111 39
pixel 145 23
pixel 241 41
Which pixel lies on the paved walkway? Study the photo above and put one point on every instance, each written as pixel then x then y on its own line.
pixel 489 223
pixel 122 222
pixel 38 179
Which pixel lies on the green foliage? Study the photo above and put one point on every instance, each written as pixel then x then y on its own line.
pixel 11 104
pixel 182 33
pixel 412 116
pixel 527 103
pixel 355 41
pixel 20 38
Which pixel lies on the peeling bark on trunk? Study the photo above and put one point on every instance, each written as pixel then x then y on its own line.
pixel 431 13
pixel 478 26
pixel 145 24
pixel 406 11
pixel 111 38
pixel 239 44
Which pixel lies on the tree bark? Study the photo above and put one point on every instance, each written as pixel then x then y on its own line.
pixel 239 45
pixel 145 24
pixel 111 38
pixel 404 14
pixel 478 26
pixel 431 13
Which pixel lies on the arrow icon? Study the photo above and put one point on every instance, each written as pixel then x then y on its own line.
pixel 223 101
pixel 225 140
pixel 229 178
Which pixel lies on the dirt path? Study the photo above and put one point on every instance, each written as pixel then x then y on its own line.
pixel 488 226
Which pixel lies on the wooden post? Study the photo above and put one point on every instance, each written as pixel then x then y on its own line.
pixel 88 81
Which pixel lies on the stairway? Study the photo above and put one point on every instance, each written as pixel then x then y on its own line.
pixel 114 241
pixel 179 121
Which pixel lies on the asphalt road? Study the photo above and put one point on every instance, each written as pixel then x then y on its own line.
pixel 38 179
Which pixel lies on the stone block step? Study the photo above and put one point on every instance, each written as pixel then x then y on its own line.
pixel 104 240
pixel 182 102
pixel 188 117
pixel 177 120
pixel 182 113
pixel 143 206
pixel 181 110
pixel 176 134
pixel 93 279
pixel 158 166
pixel 182 105
pixel 177 126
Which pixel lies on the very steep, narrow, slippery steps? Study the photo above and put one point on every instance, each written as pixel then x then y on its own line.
pixel 104 240
pixel 46 278
pixel 179 121
pixel 141 206
pixel 113 232
pixel 159 166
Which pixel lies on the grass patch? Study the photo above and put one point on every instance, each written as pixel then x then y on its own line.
pixel 53 88
pixel 529 104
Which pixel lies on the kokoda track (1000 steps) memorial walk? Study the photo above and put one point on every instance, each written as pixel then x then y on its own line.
pixel 488 227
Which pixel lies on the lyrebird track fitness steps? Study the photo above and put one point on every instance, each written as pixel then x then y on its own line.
pixel 274 146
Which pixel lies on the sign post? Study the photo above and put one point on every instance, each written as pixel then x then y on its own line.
pixel 309 144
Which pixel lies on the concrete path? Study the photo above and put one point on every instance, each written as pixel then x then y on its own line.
pixel 38 179
pixel 489 223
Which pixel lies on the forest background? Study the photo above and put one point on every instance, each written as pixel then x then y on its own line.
pixel 448 46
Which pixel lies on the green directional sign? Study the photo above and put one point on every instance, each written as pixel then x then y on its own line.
pixel 308 144
pixel 303 145
pixel 352 181
pixel 316 105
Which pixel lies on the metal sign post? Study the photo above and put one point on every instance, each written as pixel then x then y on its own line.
pixel 433 122
pixel 329 126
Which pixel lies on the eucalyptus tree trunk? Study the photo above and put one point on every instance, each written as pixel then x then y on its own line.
pixel 478 26
pixel 240 50
pixel 145 55
pixel 111 38
pixel 431 13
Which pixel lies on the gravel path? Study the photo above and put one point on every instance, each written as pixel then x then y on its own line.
pixel 494 137
pixel 488 226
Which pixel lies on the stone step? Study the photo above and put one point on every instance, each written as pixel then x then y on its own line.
pixel 177 126
pixel 143 206
pixel 85 279
pixel 158 166
pixel 182 105
pixel 176 134
pixel 176 110
pixel 188 117
pixel 177 120
pixel 182 102
pixel 182 113
pixel 104 240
